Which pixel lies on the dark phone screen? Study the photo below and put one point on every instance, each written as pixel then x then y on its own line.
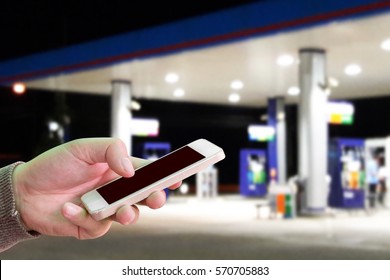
pixel 149 174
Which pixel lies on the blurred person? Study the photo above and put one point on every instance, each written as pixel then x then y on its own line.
pixel 372 180
pixel 42 196
pixel 382 188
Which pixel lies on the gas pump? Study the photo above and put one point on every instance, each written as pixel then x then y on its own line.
pixel 347 170
pixel 253 172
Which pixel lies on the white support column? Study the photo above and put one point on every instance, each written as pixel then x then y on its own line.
pixel 313 130
pixel 281 140
pixel 120 111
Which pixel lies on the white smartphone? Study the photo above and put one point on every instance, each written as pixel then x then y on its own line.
pixel 157 175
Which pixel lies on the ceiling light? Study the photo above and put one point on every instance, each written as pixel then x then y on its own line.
pixel 179 92
pixel 386 45
pixel 293 91
pixel 234 97
pixel 333 82
pixel 135 105
pixel 285 60
pixel 237 84
pixel 171 78
pixel 353 69
pixel 19 88
pixel 53 125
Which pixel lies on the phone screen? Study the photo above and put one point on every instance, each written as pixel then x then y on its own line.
pixel 149 174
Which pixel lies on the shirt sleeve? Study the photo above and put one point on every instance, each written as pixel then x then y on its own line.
pixel 12 230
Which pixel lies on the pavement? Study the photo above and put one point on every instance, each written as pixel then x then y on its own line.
pixel 228 227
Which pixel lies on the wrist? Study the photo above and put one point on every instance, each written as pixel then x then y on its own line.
pixel 18 187
pixel 12 230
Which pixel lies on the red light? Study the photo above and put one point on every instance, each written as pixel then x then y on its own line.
pixel 19 88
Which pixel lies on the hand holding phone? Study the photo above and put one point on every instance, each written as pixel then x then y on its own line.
pixel 157 175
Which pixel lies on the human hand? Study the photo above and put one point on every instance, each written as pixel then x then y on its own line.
pixel 48 188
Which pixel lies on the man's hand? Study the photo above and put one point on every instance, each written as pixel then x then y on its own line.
pixel 48 188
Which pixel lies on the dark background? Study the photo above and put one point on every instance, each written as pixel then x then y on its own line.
pixel 31 26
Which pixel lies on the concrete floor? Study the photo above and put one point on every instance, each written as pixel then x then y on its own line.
pixel 225 228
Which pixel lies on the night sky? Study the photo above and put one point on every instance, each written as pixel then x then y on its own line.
pixel 28 26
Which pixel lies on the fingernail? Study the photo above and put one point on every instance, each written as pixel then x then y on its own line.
pixel 71 210
pixel 126 164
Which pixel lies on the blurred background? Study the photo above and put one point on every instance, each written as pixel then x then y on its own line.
pixel 235 73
